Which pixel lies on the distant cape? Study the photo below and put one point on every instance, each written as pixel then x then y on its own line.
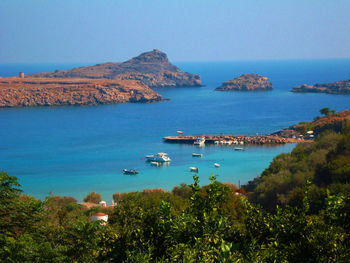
pixel 338 87
pixel 151 68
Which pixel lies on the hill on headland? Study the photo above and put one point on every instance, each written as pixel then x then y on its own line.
pixel 324 161
pixel 151 68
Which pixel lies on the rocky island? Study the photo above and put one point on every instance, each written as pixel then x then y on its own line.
pixel 151 68
pixel 338 87
pixel 246 82
pixel 23 92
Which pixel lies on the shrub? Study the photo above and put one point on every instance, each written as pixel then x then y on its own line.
pixel 93 197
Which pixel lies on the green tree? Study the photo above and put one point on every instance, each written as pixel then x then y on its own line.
pixel 93 197
pixel 325 111
pixel 9 187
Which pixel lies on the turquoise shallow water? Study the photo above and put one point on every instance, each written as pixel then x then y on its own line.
pixel 75 150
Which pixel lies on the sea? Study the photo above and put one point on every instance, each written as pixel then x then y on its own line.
pixel 73 150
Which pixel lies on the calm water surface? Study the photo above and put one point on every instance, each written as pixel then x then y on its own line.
pixel 75 150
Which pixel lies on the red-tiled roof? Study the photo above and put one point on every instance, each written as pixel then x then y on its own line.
pixel 100 214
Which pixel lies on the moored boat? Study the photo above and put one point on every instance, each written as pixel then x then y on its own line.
pixel 216 165
pixel 197 154
pixel 199 141
pixel 159 157
pixel 239 149
pixel 130 171
pixel 194 169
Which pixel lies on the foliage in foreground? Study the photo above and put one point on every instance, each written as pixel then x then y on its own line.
pixel 209 224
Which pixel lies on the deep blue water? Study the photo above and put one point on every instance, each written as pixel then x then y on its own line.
pixel 76 150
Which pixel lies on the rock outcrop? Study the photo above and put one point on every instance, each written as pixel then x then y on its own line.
pixel 338 87
pixel 246 82
pixel 19 92
pixel 151 68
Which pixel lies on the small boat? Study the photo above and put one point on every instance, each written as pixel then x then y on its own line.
pixel 216 165
pixel 241 142
pixel 239 149
pixel 216 142
pixel 159 157
pixel 130 171
pixel 194 169
pixel 199 141
pixel 197 154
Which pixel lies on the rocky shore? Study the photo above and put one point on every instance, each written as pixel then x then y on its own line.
pixel 338 87
pixel 24 92
pixel 151 68
pixel 246 82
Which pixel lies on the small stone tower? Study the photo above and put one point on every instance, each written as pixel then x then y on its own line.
pixel 21 75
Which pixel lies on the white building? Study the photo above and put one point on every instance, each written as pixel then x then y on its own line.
pixel 100 216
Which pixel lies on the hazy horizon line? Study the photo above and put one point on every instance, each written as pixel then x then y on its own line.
pixel 179 61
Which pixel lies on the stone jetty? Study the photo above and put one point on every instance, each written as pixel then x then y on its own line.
pixel 239 139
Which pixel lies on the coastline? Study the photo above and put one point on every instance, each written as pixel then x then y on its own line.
pixel 75 150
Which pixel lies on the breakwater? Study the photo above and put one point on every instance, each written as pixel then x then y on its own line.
pixel 233 139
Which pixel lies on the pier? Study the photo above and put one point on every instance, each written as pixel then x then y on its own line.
pixel 239 139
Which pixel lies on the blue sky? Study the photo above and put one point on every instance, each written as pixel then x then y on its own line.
pixel 111 30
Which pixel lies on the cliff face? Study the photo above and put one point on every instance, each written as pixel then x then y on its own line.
pixel 151 68
pixel 338 87
pixel 19 92
pixel 246 82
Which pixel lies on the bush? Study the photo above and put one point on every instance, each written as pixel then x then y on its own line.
pixel 93 197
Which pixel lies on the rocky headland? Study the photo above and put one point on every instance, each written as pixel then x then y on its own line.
pixel 338 87
pixel 24 92
pixel 246 82
pixel 334 121
pixel 151 68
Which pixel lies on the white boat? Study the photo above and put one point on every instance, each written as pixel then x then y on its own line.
pixel 130 171
pixel 239 149
pixel 197 154
pixel 216 165
pixel 194 169
pixel 216 142
pixel 241 142
pixel 199 141
pixel 159 157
